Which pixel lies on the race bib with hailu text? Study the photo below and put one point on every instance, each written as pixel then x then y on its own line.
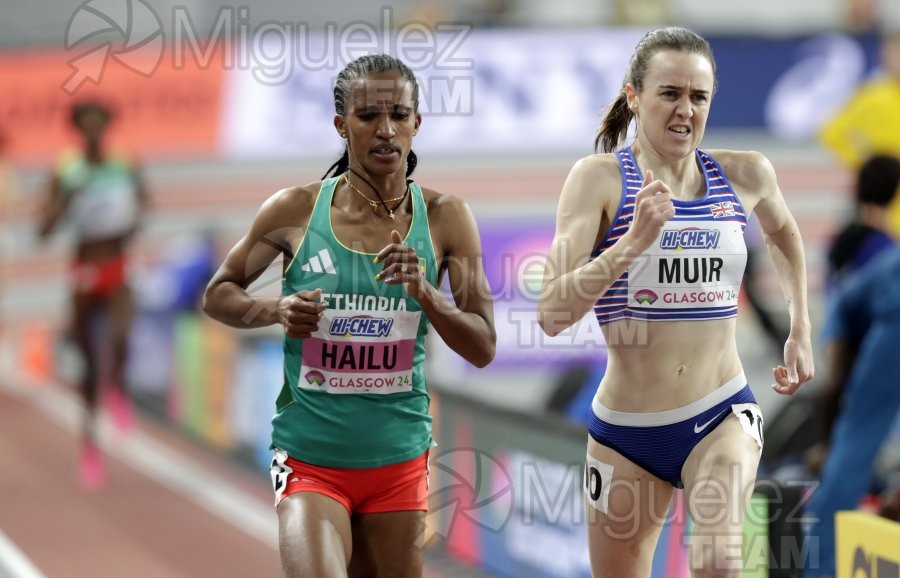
pixel 360 352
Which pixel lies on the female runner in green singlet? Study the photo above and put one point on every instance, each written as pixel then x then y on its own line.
pixel 364 251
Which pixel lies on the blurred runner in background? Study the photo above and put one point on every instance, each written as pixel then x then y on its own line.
pixel 101 194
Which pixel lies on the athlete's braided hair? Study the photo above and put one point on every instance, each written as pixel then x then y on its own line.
pixel 358 69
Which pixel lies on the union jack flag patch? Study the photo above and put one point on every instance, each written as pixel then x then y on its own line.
pixel 723 209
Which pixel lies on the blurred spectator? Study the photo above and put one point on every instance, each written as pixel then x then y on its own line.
pixel 865 319
pixel 855 246
pixel 866 234
pixel 869 124
pixel 101 194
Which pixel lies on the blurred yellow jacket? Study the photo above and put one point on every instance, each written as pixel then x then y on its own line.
pixel 869 124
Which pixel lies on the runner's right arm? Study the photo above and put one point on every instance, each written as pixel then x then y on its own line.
pixel 275 231
pixel 573 283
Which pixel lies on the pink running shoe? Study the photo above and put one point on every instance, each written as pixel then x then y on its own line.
pixel 121 409
pixel 91 471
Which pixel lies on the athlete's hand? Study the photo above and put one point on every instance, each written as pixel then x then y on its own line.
pixel 798 365
pixel 300 313
pixel 400 264
pixel 652 209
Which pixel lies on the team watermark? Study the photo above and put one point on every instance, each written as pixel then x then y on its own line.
pixel 138 37
pixel 516 493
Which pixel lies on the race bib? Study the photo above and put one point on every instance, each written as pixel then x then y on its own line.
pixel 690 266
pixel 105 209
pixel 360 352
pixel 751 420
pixel 597 482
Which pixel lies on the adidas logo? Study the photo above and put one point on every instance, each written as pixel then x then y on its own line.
pixel 320 263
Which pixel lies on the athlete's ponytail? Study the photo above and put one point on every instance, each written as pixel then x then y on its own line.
pixel 614 127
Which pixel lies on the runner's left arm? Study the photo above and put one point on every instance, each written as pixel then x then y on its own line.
pixel 785 247
pixel 467 323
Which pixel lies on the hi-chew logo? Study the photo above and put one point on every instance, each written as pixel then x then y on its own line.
pixel 646 297
pixel 689 238
pixel 361 326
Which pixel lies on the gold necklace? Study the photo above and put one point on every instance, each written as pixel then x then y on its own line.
pixel 374 204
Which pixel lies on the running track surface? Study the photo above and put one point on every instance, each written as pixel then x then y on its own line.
pixel 168 510
pixel 134 527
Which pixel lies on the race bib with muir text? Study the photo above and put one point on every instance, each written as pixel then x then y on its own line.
pixel 690 266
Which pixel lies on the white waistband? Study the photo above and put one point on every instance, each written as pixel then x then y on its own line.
pixel 713 398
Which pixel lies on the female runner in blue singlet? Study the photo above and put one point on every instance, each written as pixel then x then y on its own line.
pixel 650 237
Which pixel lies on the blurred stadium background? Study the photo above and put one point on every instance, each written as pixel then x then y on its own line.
pixel 224 104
